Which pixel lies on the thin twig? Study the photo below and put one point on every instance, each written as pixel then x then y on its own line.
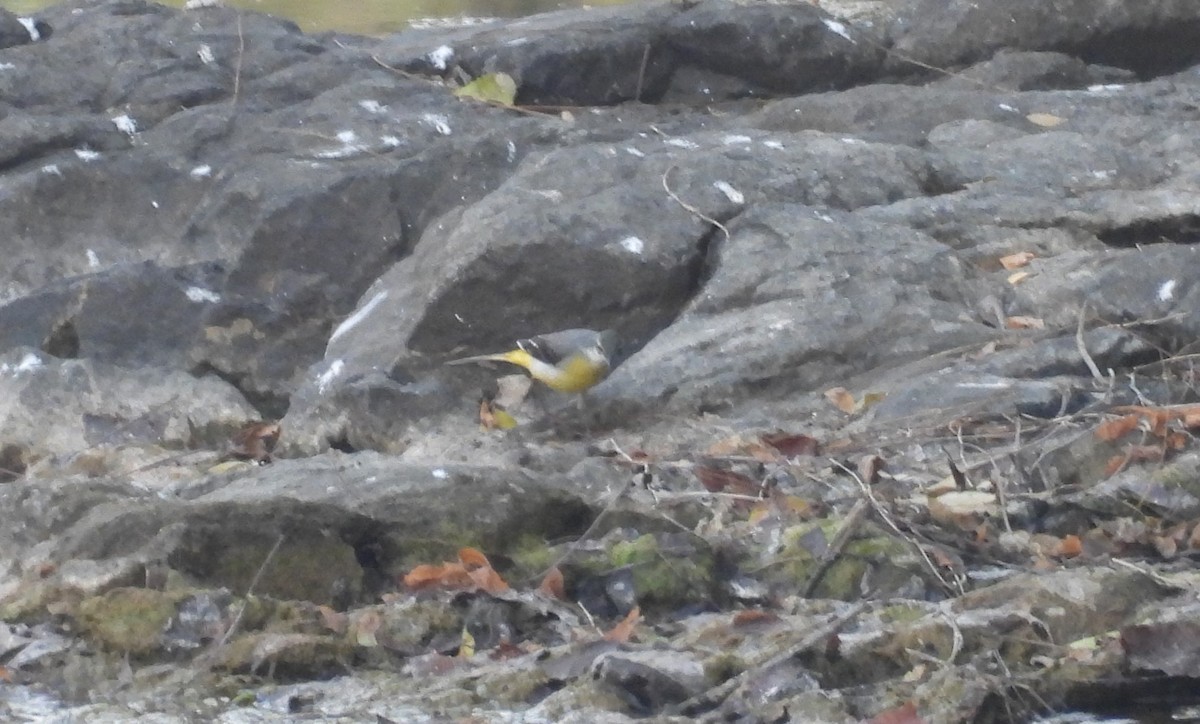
pixel 250 590
pixel 688 207
pixel 831 554
pixel 956 587
pixel 637 96
pixel 237 67
pixel 574 545
pixel 709 700
pixel 1083 351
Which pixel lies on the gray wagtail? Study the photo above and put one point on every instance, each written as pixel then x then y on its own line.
pixel 573 360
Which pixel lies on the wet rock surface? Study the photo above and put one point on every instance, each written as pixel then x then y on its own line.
pixel 901 424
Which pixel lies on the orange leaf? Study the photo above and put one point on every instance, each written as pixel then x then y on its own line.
pixel 1114 465
pixel 622 632
pixel 1070 547
pixel 472 558
pixel 1110 430
pixel 553 584
pixel 488 580
pixel 446 575
pixel 841 398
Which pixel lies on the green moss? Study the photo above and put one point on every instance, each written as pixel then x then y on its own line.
pixel 129 619
pixel 302 569
pixel 662 581
pixel 723 667
pixel 899 613
pixel 531 555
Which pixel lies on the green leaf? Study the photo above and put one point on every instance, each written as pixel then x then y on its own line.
pixel 491 88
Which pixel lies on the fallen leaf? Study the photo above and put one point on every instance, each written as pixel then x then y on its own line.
pixel 1020 322
pixel 1069 547
pixel 1114 465
pixel 870 398
pixel 1045 120
pixel 497 88
pixel 622 632
pixel 473 558
pixel 1165 545
pixel 1017 277
pixel 466 649
pixel 553 584
pixel 906 713
pixel 963 508
pixel 446 575
pixel 869 467
pixel 255 442
pixel 841 398
pixel 494 417
pixel 332 620
pixel 1110 430
pixel 486 579
pixel 1145 453
pixel 364 626
pixel 792 445
pixel 508 650
pixel 717 480
pixel 1017 260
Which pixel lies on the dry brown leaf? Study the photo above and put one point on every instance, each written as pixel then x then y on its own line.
pixel 1114 465
pixel 1022 322
pixel 1110 430
pixel 364 626
pixel 335 621
pixel 623 631
pixel 792 445
pixel 717 480
pixel 1045 120
pixel 1145 453
pixel 553 584
pixel 841 398
pixel 1017 260
pixel 903 714
pixel 1165 545
pixel 1194 538
pixel 869 467
pixel 725 447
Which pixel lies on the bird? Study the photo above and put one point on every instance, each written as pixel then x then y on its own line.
pixel 573 360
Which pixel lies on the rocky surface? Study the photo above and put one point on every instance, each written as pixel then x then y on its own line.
pixel 901 426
